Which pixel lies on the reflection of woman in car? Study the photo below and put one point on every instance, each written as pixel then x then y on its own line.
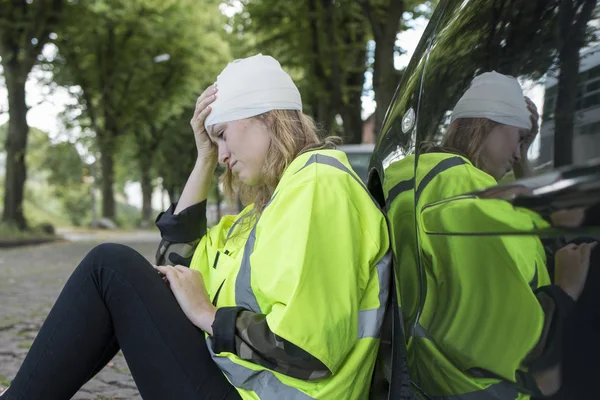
pixel 283 301
pixel 481 317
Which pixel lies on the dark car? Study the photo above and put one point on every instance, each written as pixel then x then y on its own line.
pixel 552 48
pixel 359 156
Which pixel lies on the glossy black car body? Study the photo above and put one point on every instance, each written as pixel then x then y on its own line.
pixel 554 51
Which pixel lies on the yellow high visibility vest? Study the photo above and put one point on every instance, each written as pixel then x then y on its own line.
pixel 316 262
pixel 479 317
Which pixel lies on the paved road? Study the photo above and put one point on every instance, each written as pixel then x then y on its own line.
pixel 31 279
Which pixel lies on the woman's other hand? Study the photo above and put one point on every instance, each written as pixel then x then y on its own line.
pixel 572 264
pixel 188 287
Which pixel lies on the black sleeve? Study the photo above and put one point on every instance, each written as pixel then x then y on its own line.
pixel 180 234
pixel 558 308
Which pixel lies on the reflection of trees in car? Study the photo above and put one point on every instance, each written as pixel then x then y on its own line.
pixel 391 129
pixel 586 125
pixel 573 20
pixel 465 39
pixel 517 38
pixel 484 36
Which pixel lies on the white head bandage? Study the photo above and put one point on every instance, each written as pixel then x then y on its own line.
pixel 252 86
pixel 496 97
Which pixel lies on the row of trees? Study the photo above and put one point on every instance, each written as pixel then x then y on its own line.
pixel 330 45
pixel 134 69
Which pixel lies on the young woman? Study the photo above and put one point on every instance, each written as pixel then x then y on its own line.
pixel 284 300
pixel 482 318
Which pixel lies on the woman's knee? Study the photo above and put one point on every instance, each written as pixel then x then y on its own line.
pixel 109 250
pixel 114 256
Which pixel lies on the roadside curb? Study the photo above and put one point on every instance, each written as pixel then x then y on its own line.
pixel 4 244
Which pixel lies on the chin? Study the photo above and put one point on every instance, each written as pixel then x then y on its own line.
pixel 248 181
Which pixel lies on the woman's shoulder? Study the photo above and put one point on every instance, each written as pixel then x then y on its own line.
pixel 326 174
pixel 320 163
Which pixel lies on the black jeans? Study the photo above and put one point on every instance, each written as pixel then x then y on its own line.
pixel 116 300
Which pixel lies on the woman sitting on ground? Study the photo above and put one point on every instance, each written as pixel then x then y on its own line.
pixel 283 301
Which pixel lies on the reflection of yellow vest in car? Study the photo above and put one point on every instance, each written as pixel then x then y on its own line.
pixel 473 317
pixel 317 264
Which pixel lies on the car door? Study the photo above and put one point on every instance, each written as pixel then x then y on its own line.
pixel 396 139
pixel 532 40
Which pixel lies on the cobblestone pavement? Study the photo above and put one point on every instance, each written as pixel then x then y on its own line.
pixel 31 279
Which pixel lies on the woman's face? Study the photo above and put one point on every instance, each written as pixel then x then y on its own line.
pixel 501 149
pixel 243 147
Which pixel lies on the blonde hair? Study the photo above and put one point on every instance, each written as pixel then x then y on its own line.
pixel 292 133
pixel 465 136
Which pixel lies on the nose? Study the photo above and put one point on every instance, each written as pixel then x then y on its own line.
pixel 224 153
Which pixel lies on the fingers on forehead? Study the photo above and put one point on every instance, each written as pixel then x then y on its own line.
pixel 208 89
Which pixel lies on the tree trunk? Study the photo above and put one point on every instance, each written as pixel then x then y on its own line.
pixel 325 116
pixel 19 54
pixel 353 124
pixel 147 188
pixel 385 77
pixel 572 32
pixel 352 110
pixel 16 146
pixel 565 106
pixel 385 26
pixel 108 176
pixel 325 113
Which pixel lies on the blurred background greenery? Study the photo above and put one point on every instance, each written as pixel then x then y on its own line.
pixel 120 79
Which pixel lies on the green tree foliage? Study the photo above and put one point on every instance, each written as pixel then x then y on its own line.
pixel 471 44
pixel 55 190
pixel 574 33
pixel 25 28
pixel 387 18
pixel 324 46
pixel 64 171
pixel 110 52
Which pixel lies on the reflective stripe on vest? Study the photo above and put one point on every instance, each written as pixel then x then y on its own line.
pixel 398 189
pixel 435 171
pixel 335 163
pixel 370 321
pixel 244 296
pixel 409 184
pixel 264 382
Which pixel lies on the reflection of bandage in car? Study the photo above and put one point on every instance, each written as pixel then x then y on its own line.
pixel 252 86
pixel 496 97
